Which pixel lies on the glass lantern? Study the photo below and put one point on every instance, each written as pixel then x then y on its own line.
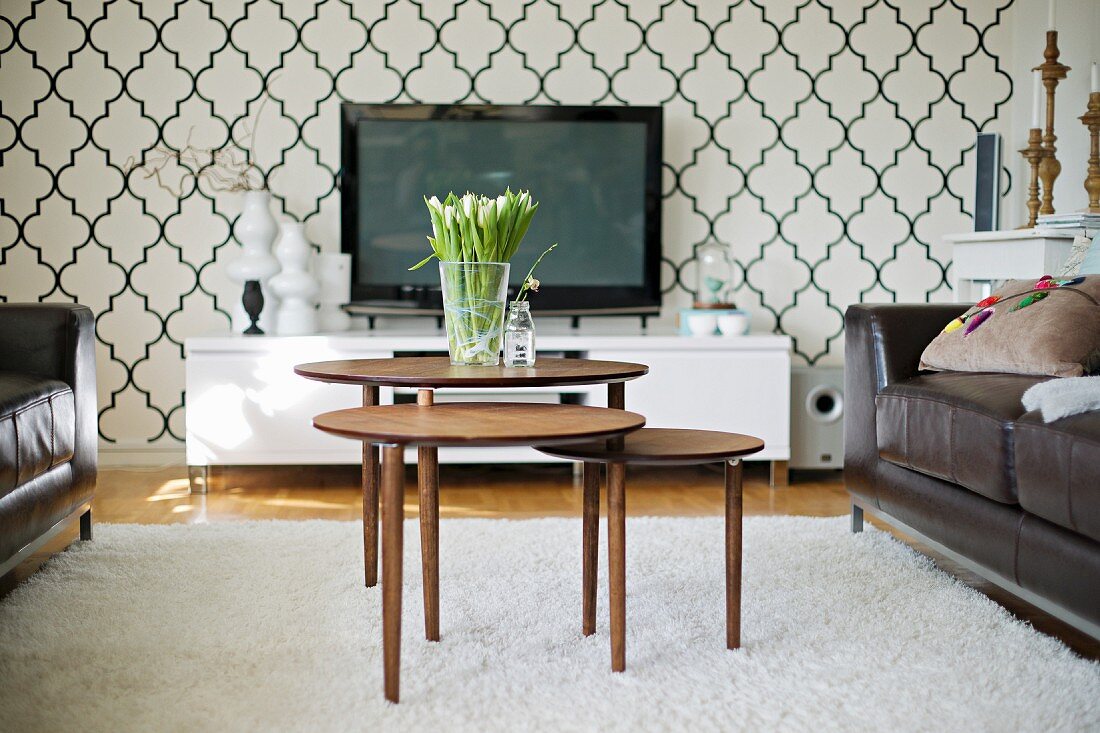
pixel 713 276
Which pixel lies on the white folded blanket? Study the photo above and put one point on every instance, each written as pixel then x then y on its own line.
pixel 1060 398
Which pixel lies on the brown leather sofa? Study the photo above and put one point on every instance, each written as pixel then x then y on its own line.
pixel 47 425
pixel 953 459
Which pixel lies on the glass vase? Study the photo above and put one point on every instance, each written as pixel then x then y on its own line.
pixel 519 336
pixel 473 308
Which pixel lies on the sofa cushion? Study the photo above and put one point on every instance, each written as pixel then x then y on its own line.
pixel 1058 470
pixel 37 427
pixel 957 426
pixel 1049 326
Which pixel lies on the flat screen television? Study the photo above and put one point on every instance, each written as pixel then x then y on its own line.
pixel 595 171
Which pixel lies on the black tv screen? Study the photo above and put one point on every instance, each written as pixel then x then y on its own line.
pixel 595 172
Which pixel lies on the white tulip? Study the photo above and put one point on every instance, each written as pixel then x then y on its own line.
pixel 468 204
pixel 449 215
pixel 501 201
pixel 435 203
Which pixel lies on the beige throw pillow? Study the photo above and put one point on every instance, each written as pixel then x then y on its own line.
pixel 1049 326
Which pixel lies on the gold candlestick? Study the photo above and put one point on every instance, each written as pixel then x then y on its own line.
pixel 1033 153
pixel 1091 120
pixel 1049 167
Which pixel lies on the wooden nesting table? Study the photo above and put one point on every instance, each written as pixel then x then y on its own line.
pixel 428 426
pixel 653 446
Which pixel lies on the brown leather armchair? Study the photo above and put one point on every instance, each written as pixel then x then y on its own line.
pixel 954 460
pixel 48 427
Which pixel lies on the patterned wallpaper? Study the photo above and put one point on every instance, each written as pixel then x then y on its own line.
pixel 828 142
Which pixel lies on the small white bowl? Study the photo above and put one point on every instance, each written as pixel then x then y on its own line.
pixel 702 324
pixel 733 324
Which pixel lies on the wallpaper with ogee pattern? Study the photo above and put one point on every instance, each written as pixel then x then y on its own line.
pixel 828 142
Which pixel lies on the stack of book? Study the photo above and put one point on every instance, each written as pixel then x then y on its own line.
pixel 1074 220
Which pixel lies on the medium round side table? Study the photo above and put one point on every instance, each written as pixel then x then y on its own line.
pixel 451 424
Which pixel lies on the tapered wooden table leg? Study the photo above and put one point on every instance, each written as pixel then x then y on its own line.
pixel 370 500
pixel 591 545
pixel 616 561
pixel 733 554
pixel 393 516
pixel 428 484
pixel 616 400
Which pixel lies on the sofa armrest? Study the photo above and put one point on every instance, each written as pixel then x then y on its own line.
pixel 882 345
pixel 57 340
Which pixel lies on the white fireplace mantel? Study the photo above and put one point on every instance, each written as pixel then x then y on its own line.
pixel 982 259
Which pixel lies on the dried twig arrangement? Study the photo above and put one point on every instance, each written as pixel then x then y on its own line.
pixel 224 169
pixel 229 168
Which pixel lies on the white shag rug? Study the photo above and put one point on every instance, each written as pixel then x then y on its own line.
pixel 266 626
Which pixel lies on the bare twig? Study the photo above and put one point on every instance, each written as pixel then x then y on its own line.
pixel 219 167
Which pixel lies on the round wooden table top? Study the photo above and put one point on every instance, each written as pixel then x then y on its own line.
pixel 663 445
pixel 436 371
pixel 478 423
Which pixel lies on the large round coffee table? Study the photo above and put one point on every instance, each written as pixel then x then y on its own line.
pixel 452 424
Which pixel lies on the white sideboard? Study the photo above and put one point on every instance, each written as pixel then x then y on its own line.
pixel 245 405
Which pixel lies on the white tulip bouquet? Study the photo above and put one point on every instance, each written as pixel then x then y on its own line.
pixel 477 228
pixel 474 238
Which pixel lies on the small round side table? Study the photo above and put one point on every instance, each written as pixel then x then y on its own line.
pixel 667 447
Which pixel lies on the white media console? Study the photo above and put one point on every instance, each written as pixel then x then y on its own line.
pixel 245 405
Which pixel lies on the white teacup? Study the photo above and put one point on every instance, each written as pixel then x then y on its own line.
pixel 733 324
pixel 702 324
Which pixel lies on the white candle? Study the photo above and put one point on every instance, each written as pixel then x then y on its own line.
pixel 1095 77
pixel 1036 98
pixel 1050 16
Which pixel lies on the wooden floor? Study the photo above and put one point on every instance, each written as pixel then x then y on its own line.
pixel 162 496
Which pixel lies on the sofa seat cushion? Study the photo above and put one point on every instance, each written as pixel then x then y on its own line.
pixel 37 427
pixel 1058 470
pixel 957 426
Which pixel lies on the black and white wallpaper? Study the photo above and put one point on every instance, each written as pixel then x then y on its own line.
pixel 828 142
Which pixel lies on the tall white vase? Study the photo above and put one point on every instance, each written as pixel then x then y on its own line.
pixel 294 286
pixel 333 271
pixel 255 230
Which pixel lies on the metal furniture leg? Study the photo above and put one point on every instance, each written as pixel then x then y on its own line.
pixel 86 526
pixel 198 478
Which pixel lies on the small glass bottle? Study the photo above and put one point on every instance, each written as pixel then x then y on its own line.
pixel 519 336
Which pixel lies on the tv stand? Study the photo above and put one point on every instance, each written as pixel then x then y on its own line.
pixel 245 406
pixel 575 321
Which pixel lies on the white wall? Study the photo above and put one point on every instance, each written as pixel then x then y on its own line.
pixel 828 143
pixel 1078 23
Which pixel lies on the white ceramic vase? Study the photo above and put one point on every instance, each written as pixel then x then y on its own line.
pixel 295 288
pixel 255 230
pixel 333 271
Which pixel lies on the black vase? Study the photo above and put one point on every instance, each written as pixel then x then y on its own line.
pixel 253 302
